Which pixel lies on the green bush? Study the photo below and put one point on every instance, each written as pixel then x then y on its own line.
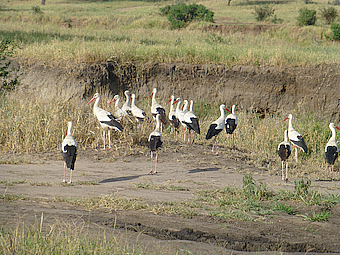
pixel 329 14
pixel 181 14
pixel 7 83
pixel 263 12
pixel 36 9
pixel 306 17
pixel 335 27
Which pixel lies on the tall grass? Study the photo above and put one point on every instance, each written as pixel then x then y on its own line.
pixel 135 31
pixel 62 238
pixel 32 126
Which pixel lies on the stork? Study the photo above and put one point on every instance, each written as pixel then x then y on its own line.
pixel 155 142
pixel 172 115
pixel 156 108
pixel 119 113
pixel 69 147
pixel 181 113
pixel 138 113
pixel 106 119
pixel 332 149
pixel 216 127
pixel 191 120
pixel 126 107
pixel 295 137
pixel 284 151
pixel 231 124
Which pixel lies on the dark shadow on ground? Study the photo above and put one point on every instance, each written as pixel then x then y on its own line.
pixel 199 170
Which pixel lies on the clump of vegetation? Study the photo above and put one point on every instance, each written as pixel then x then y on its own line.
pixel 307 17
pixel 335 27
pixel 36 9
pixel 263 12
pixel 181 14
pixel 329 14
pixel 7 82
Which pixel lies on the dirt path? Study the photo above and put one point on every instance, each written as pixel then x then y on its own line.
pixel 187 172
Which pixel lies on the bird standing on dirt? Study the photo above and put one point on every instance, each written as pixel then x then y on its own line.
pixel 156 108
pixel 106 119
pixel 138 113
pixel 284 151
pixel 295 137
pixel 69 147
pixel 216 127
pixel 332 149
pixel 191 120
pixel 231 124
pixel 155 142
pixel 181 113
pixel 172 115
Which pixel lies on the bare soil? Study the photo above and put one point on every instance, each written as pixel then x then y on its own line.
pixel 191 167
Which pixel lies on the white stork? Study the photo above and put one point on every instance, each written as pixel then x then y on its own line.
pixel 155 142
pixel 284 151
pixel 172 115
pixel 231 124
pixel 332 149
pixel 126 107
pixel 69 147
pixel 216 127
pixel 119 113
pixel 191 120
pixel 295 138
pixel 106 119
pixel 156 108
pixel 138 113
pixel 181 113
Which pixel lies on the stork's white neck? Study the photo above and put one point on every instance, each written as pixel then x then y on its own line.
pixel 191 105
pixel 179 101
pixel 117 102
pixel 133 98
pixel 333 138
pixel 185 107
pixel 286 136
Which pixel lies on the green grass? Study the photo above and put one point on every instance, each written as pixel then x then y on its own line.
pixel 135 31
pixel 62 238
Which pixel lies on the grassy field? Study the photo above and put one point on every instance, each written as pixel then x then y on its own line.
pixel 90 31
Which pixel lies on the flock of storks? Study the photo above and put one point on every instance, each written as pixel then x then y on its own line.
pixel 181 115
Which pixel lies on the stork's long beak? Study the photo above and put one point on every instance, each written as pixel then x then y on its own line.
pixel 169 101
pixel 285 119
pixel 93 98
pixel 337 128
pixel 175 102
pixel 151 94
pixel 228 110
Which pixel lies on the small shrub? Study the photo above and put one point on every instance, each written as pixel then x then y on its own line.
pixel 329 14
pixel 181 14
pixel 263 12
pixel 335 27
pixel 36 9
pixel 307 17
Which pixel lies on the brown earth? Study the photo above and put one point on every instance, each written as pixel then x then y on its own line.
pixel 264 90
pixel 192 168
pixel 261 89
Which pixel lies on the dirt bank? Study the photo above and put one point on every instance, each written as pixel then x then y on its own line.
pixel 263 89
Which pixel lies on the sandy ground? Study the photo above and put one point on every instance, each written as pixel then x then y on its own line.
pixel 193 168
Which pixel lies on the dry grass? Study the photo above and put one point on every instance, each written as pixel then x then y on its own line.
pixel 32 126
